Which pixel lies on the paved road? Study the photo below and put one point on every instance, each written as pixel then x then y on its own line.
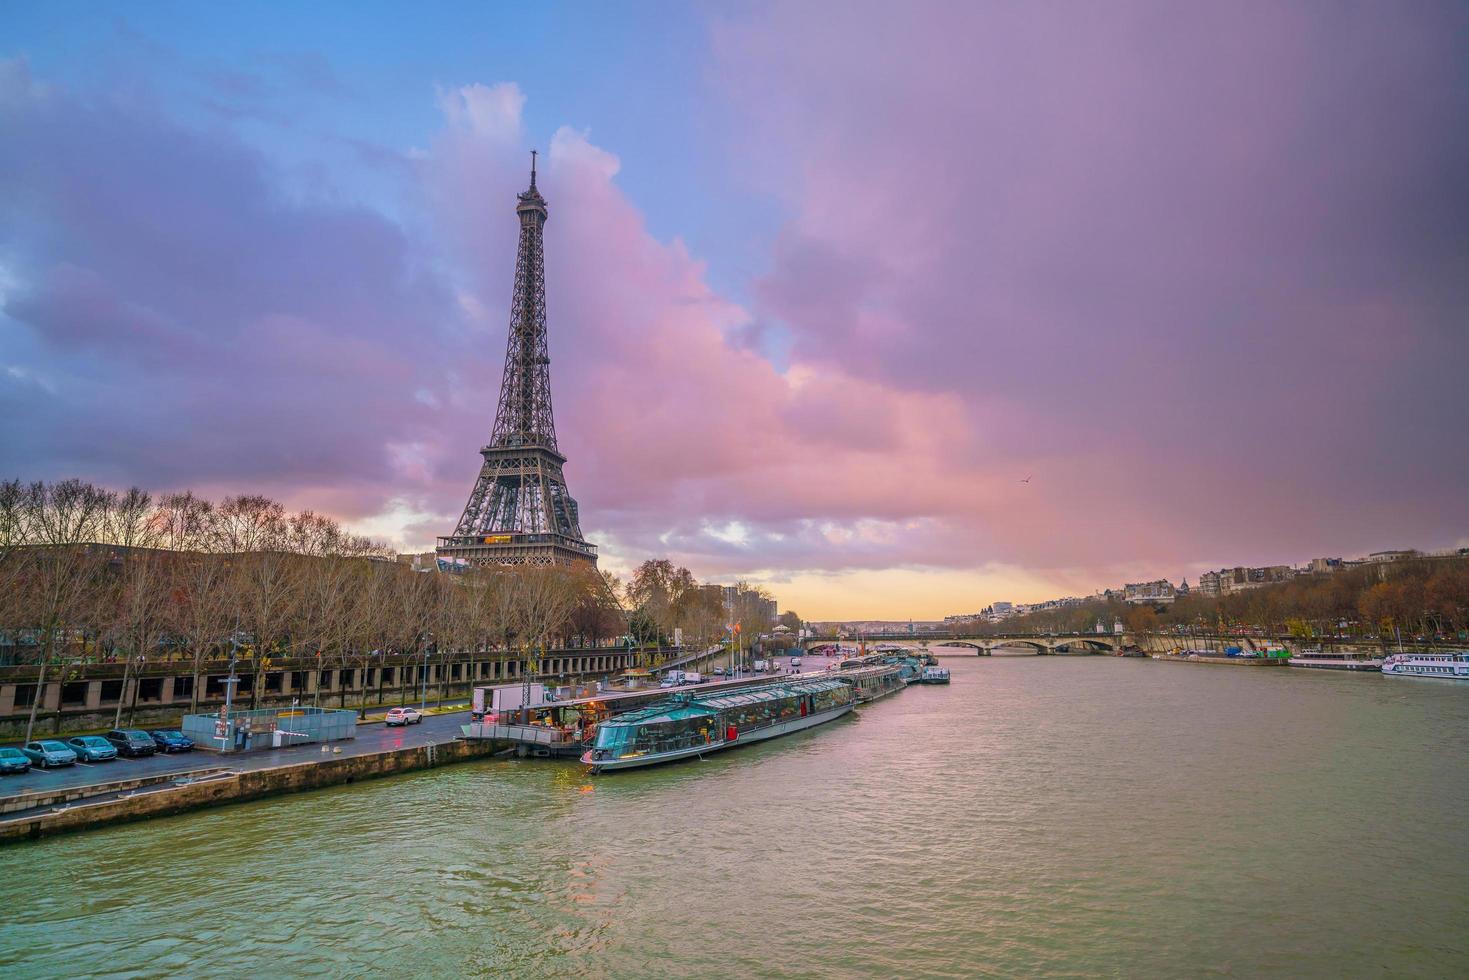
pixel 370 738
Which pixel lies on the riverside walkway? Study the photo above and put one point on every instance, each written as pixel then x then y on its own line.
pixel 372 737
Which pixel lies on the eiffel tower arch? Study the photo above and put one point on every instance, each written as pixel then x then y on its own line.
pixel 520 512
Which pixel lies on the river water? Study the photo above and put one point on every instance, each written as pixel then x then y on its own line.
pixel 1040 816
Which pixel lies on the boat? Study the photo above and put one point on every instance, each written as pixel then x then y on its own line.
pixel 934 675
pixel 689 725
pixel 1450 666
pixel 871 683
pixel 1325 660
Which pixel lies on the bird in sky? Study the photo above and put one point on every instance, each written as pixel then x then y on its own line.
pixel 1027 479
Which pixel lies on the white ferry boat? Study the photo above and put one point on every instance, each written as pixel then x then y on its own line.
pixel 1451 666
pixel 934 675
pixel 1335 660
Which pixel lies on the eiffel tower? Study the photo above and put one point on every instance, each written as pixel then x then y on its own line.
pixel 519 512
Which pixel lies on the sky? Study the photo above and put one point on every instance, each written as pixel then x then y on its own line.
pixel 896 309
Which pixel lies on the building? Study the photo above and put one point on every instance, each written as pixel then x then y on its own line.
pixel 1209 585
pixel 1324 566
pixel 1159 592
pixel 998 611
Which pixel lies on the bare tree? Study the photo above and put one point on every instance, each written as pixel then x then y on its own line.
pixel 204 612
pixel 61 571
pixel 255 532
pixel 546 596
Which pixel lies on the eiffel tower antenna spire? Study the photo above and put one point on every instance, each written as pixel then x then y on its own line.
pixel 520 511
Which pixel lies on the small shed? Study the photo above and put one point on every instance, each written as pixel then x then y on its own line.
pixel 270 728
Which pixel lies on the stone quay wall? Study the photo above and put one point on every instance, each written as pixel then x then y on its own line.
pixel 238 787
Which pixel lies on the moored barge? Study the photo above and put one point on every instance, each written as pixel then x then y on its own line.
pixel 688 725
pixel 1335 660
pixel 871 683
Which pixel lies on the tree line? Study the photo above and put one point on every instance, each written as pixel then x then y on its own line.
pixel 1424 598
pixel 88 574
pixel 663 598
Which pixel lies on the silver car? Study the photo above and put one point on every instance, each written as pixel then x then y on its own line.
pixel 48 753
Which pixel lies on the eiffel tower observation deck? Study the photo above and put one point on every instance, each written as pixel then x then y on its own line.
pixel 520 512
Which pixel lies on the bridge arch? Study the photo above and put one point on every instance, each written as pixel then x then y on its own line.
pixel 1092 644
pixel 1039 645
pixel 971 644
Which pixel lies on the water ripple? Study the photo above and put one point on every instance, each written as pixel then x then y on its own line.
pixel 1038 817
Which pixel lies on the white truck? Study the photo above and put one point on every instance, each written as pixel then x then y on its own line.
pixel 761 666
pixel 672 679
pixel 692 677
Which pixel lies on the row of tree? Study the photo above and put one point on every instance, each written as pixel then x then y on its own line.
pixel 1423 597
pixel 88 574
pixel 664 598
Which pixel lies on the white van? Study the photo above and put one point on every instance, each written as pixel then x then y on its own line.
pixel 761 666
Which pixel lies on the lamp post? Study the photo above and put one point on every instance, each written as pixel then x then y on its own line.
pixel 229 700
pixel 423 693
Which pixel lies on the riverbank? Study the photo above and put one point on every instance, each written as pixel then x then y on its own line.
pixel 1200 658
pixel 130 800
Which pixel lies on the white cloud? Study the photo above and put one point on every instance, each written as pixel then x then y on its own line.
pixel 487 111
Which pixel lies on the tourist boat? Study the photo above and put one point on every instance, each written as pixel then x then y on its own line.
pixel 1335 661
pixel 934 675
pixel 689 725
pixel 871 683
pixel 1451 666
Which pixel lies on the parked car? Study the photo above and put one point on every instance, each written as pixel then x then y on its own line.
pixel 91 748
pixel 48 753
pixel 171 740
pixel 718 671
pixel 131 742
pixel 14 761
pixel 795 661
pixel 404 716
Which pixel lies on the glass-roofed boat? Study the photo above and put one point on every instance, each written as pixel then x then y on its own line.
pixel 871 683
pixel 696 724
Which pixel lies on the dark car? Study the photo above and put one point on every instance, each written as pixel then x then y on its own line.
pixel 171 740
pixel 13 760
pixel 91 748
pixel 131 742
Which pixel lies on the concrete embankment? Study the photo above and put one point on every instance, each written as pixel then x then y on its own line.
pixel 1230 661
pixel 224 787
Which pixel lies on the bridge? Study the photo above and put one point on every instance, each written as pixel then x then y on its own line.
pixel 1056 644
pixel 1117 643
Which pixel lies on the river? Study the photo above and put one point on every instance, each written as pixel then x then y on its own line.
pixel 1040 816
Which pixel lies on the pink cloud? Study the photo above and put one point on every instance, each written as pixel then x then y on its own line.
pixel 1192 270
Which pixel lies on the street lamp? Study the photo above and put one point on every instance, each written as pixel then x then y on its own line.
pixel 229 699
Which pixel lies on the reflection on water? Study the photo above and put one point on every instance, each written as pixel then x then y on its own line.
pixel 1047 815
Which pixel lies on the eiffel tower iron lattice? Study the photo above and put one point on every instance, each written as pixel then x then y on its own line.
pixel 520 512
